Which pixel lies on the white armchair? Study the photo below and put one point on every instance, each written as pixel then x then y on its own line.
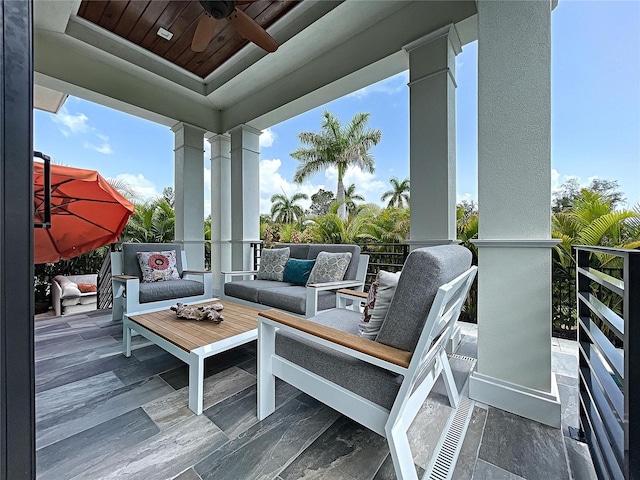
pixel 130 294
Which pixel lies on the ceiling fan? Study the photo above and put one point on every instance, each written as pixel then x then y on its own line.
pixel 215 10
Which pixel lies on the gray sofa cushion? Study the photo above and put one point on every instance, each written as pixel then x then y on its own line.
pixel 248 289
pixel 424 271
pixel 294 298
pixel 157 291
pixel 130 265
pixel 371 382
pixel 352 269
pixel 296 250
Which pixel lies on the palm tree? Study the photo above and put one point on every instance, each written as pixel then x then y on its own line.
pixel 337 147
pixel 399 193
pixel 152 222
pixel 592 221
pixel 285 209
pixel 350 197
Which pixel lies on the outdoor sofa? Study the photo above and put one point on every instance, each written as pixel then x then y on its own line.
pixel 74 293
pixel 301 298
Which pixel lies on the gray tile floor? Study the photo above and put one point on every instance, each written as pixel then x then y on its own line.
pixel 103 416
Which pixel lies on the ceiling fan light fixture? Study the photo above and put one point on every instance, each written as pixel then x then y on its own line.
pixel 166 34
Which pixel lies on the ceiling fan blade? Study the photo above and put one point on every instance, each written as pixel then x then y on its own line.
pixel 250 30
pixel 204 33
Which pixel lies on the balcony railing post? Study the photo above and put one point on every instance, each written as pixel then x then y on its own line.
pixel 632 365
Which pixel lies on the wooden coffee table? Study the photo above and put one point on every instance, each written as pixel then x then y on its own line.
pixel 193 341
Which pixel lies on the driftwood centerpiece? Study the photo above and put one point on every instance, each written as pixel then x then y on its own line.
pixel 209 312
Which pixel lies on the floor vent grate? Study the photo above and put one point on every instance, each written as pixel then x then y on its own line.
pixel 446 453
pixel 461 357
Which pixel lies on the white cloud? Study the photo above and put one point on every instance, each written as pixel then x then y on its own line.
pixel 465 197
pixel 366 183
pixel 271 182
pixel 390 86
pixel 144 188
pixel 267 137
pixel 105 148
pixel 71 123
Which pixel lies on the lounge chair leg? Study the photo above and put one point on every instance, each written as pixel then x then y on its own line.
pixel 401 453
pixel 449 382
pixel 266 380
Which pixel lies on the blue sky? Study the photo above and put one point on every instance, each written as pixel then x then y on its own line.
pixel 595 120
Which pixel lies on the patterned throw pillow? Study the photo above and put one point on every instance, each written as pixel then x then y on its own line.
pixel 158 266
pixel 329 267
pixel 272 263
pixel 378 302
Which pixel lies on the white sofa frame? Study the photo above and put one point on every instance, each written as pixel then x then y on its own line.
pixel 428 360
pixel 57 297
pixel 312 289
pixel 126 288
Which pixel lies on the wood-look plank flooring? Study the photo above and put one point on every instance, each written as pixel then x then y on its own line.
pixel 101 415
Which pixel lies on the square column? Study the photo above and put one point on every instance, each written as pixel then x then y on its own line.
pixel 189 192
pixel 514 198
pixel 432 137
pixel 245 194
pixel 220 206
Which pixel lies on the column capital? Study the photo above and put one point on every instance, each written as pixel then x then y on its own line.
pixel 449 31
pixel 214 137
pixel 181 125
pixel 245 128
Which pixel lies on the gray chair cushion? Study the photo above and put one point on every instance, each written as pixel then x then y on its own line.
pixel 296 250
pixel 424 271
pixel 371 382
pixel 352 269
pixel 130 265
pixel 294 299
pixel 157 291
pixel 248 289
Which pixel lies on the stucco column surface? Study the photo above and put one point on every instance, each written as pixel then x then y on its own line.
pixel 514 199
pixel 245 194
pixel 432 137
pixel 220 205
pixel 189 191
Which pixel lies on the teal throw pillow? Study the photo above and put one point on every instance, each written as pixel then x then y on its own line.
pixel 297 271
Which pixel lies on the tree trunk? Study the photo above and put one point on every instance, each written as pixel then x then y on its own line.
pixel 342 209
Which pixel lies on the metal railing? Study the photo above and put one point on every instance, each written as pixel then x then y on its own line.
pixel 609 361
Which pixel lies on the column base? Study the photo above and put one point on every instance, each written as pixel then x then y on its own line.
pixel 543 407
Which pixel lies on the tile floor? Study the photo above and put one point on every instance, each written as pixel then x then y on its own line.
pixel 103 416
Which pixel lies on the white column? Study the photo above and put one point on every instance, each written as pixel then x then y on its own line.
pixel 432 137
pixel 220 205
pixel 245 194
pixel 514 198
pixel 189 191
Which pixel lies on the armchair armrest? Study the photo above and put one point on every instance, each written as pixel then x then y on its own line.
pixel 124 278
pixel 357 298
pixel 350 342
pixel 353 293
pixel 195 272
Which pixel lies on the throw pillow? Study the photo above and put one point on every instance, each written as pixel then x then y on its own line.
pixel 87 287
pixel 272 263
pixel 378 302
pixel 297 271
pixel 329 267
pixel 158 266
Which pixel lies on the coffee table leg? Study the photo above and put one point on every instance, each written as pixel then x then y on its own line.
pixel 126 340
pixel 196 382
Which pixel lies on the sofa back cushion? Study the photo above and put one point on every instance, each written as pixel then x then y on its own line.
pixel 130 265
pixel 352 269
pixel 296 250
pixel 423 273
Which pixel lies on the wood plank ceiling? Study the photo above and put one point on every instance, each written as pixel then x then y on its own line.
pixel 139 20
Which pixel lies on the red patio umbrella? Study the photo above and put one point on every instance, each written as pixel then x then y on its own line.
pixel 86 213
